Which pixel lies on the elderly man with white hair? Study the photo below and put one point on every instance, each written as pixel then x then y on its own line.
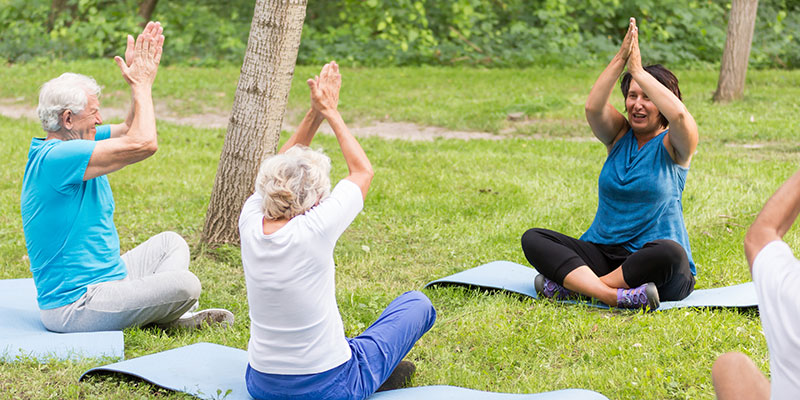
pixel 82 281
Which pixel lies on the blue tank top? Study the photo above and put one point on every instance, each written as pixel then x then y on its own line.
pixel 640 194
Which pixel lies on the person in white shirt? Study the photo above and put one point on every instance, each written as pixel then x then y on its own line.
pixel 776 275
pixel 288 229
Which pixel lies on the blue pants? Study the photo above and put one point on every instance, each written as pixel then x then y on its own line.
pixel 375 354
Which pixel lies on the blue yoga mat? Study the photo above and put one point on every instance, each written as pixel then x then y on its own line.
pixel 457 393
pixel 211 371
pixel 23 334
pixel 513 277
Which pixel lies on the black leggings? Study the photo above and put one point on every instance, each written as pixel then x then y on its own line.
pixel 663 262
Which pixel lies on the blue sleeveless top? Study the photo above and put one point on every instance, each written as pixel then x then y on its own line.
pixel 640 194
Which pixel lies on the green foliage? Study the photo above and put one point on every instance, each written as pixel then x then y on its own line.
pixel 85 29
pixel 510 33
pixel 538 32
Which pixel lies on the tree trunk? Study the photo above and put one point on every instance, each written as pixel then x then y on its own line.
pixel 58 7
pixel 258 107
pixel 146 8
pixel 737 50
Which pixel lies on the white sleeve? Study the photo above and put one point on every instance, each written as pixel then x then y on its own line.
pixel 251 209
pixel 334 214
pixel 776 274
pixel 774 268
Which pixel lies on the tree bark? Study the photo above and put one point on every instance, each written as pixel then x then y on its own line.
pixel 733 69
pixel 59 7
pixel 146 8
pixel 258 108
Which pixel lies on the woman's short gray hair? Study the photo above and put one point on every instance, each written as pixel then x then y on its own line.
pixel 67 92
pixel 293 182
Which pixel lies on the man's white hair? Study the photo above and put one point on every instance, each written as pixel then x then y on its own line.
pixel 293 182
pixel 67 92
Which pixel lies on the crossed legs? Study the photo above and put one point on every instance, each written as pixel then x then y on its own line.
pixel 158 289
pixel 599 270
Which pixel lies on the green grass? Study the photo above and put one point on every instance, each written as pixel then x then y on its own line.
pixel 456 98
pixel 440 207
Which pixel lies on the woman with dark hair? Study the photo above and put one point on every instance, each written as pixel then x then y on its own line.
pixel 636 252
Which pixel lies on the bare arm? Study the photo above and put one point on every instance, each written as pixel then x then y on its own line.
pixel 121 129
pixel 140 141
pixel 775 219
pixel 311 122
pixel 325 98
pixel 358 164
pixel 305 132
pixel 118 130
pixel 606 122
pixel 682 134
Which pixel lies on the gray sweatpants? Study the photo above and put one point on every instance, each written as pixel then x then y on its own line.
pixel 158 289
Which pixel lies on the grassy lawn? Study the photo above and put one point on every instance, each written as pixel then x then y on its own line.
pixel 439 207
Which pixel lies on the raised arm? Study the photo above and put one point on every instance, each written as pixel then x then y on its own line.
pixel 775 219
pixel 310 124
pixel 118 130
pixel 140 140
pixel 682 136
pixel 606 122
pixel 325 99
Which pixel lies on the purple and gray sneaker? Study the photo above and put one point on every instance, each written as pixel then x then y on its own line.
pixel 645 296
pixel 550 289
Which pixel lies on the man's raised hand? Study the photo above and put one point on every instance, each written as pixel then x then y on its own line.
pixel 142 56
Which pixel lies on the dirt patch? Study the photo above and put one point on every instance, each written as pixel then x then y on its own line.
pixel 388 130
pixel 13 108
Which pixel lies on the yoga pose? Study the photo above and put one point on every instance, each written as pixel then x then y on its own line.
pixel 289 228
pixel 82 281
pixel 776 275
pixel 636 252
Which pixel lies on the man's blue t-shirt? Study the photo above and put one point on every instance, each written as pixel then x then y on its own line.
pixel 68 222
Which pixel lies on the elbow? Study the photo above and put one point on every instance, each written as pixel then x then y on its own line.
pixel 369 172
pixel 143 149
pixel 149 148
pixel 680 118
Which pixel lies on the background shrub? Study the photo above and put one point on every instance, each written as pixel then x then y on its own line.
pixel 495 33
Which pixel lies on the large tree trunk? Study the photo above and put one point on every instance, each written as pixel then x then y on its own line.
pixel 737 50
pixel 258 108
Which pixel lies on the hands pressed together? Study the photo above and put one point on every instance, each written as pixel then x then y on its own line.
pixel 142 56
pixel 325 90
pixel 629 51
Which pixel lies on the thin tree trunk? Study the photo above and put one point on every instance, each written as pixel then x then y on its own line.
pixel 733 69
pixel 258 109
pixel 146 8
pixel 57 7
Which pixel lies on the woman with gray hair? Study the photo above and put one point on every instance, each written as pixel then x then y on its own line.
pixel 288 229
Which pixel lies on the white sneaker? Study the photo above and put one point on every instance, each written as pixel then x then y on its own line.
pixel 198 319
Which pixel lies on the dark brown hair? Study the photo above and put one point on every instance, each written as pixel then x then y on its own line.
pixel 663 75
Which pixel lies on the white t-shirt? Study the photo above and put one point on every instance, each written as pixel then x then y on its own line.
pixel 776 274
pixel 295 325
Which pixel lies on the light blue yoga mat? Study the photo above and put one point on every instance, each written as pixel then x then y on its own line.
pixel 211 371
pixel 513 277
pixel 457 393
pixel 23 334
